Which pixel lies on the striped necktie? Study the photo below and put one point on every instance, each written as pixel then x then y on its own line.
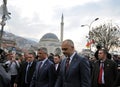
pixel 67 63
pixel 39 67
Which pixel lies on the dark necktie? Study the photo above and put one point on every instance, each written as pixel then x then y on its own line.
pixel 27 72
pixel 67 63
pixel 39 66
pixel 100 73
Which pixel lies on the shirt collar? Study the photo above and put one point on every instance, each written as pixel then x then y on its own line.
pixel 102 60
pixel 30 63
pixel 43 61
pixel 71 57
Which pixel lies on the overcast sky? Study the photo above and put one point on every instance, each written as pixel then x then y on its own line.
pixel 34 18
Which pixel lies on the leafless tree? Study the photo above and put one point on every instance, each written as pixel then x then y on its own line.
pixel 107 34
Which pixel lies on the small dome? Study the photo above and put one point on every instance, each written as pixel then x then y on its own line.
pixel 49 36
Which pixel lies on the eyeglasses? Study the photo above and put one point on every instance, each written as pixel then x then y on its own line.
pixel 64 49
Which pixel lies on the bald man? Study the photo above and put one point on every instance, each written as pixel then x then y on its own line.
pixel 74 69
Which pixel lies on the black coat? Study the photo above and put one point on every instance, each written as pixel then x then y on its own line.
pixel 117 81
pixel 20 80
pixel 110 72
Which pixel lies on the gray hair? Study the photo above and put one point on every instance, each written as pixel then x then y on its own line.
pixel 32 52
pixel 44 49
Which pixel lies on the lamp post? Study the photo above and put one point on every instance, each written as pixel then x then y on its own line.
pixel 89 26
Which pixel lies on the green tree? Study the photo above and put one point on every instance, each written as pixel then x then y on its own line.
pixel 108 35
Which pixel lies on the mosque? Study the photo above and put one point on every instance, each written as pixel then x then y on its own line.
pixel 51 41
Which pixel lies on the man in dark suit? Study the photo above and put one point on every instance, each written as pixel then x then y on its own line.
pixel 26 71
pixel 57 61
pixel 44 75
pixel 74 69
pixel 104 72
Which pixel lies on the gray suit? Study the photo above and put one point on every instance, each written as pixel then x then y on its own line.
pixel 78 74
pixel 4 77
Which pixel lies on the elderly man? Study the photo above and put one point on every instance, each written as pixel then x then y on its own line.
pixel 44 75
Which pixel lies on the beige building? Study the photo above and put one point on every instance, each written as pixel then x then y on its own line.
pixel 51 42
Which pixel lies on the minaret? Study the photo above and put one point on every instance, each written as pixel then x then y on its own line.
pixel 62 26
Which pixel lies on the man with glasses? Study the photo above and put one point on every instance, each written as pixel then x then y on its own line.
pixel 74 69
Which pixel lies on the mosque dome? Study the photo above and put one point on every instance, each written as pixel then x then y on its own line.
pixel 51 42
pixel 49 37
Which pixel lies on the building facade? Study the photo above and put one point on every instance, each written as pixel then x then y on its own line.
pixel 51 42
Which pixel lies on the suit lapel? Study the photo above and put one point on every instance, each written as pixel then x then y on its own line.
pixel 73 61
pixel 26 65
pixel 43 66
pixel 71 65
pixel 106 66
pixel 97 68
pixel 64 65
pixel 37 69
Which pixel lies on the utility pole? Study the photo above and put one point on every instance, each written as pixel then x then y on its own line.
pixel 2 27
pixel 89 26
pixel 5 14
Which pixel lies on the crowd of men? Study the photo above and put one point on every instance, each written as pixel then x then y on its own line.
pixel 68 70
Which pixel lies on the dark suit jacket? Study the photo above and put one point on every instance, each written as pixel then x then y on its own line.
pixel 110 72
pixel 20 80
pixel 46 75
pixel 117 81
pixel 58 69
pixel 78 74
